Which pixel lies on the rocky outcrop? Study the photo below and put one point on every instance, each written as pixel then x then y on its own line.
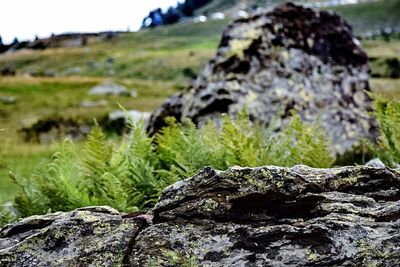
pixel 266 216
pixel 291 58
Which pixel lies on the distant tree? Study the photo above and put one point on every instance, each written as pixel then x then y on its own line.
pixel 1 41
pixel 199 3
pixel 15 41
pixel 172 16
pixel 186 9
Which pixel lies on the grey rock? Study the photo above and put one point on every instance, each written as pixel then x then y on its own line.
pixel 8 100
pixel 273 216
pixel 109 88
pixel 376 162
pixel 92 104
pixel 50 129
pixel 290 58
pixel 73 71
pixel 265 216
pixel 134 93
pixel 93 236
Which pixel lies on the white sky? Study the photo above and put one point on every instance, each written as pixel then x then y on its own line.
pixel 26 18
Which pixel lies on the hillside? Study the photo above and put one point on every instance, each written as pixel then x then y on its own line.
pixel 365 16
pixel 370 16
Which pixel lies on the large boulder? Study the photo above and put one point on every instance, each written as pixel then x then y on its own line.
pixel 290 58
pixel 266 216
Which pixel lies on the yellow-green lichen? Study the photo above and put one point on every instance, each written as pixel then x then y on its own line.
pixel 238 47
pixel 171 258
pixel 311 256
pixel 209 205
pixel 367 250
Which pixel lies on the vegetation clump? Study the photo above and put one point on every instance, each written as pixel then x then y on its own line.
pixel 130 177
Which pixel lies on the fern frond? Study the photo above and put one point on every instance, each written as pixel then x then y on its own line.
pixel 241 140
pixel 97 153
pixel 299 143
pixel 6 215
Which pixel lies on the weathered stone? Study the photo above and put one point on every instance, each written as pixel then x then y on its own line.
pixel 291 58
pixel 8 100
pixel 47 130
pixel 93 104
pixel 94 236
pixel 274 216
pixel 266 216
pixel 376 162
pixel 109 88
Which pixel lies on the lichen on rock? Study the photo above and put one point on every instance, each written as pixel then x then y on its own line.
pixel 91 236
pixel 265 216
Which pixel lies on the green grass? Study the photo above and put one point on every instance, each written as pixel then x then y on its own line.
pixel 390 88
pixel 363 17
pixel 21 159
pixel 371 15
pixel 155 54
pixel 42 97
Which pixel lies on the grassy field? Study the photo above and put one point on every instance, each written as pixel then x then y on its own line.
pixel 373 15
pixel 368 16
pixel 156 63
pixel 158 54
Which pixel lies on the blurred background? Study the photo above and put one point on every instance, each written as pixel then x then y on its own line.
pixel 63 63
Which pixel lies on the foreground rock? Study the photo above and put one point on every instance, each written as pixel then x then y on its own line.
pixel 291 58
pixel 267 216
pixel 99 236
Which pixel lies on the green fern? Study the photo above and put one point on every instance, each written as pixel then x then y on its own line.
pixel 98 153
pixel 241 140
pixel 143 183
pixel 6 216
pixel 132 176
pixel 181 150
pixel 299 143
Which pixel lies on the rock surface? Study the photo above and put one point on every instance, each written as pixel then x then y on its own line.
pixel 93 236
pixel 266 216
pixel 290 58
